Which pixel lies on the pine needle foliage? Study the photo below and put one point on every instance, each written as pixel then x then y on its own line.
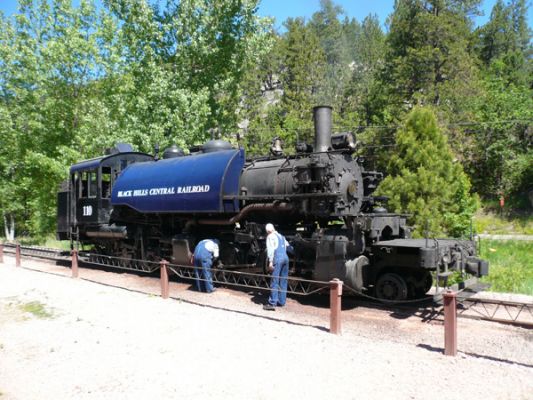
pixel 425 180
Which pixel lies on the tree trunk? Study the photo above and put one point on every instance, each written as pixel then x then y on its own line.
pixel 9 227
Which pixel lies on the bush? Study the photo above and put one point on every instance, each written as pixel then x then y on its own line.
pixel 426 181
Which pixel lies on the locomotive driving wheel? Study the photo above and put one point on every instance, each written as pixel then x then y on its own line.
pixel 391 287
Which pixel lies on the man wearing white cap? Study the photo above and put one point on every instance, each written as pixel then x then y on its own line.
pixel 205 253
pixel 278 264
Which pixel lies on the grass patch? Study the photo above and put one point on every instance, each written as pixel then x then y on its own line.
pixel 503 225
pixel 57 244
pixel 50 242
pixel 37 309
pixel 511 265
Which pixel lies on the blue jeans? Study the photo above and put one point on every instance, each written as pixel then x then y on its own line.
pixel 204 281
pixel 278 282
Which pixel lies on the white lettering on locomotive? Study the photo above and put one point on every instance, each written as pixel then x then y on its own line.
pixel 124 193
pixel 140 192
pixel 164 191
pixel 193 189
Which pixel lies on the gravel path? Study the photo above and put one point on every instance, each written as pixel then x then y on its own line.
pixel 103 342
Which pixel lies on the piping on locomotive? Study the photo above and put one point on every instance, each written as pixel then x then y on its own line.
pixel 134 205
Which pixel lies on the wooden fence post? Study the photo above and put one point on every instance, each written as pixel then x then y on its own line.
pixel 74 264
pixel 17 256
pixel 335 299
pixel 164 279
pixel 450 323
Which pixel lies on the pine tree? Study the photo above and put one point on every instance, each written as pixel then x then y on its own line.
pixel 504 43
pixel 426 181
pixel 303 74
pixel 327 27
pixel 500 153
pixel 369 51
pixel 428 60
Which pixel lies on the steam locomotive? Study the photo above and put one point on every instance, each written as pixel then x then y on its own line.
pixel 135 205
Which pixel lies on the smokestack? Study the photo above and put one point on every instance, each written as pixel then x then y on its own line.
pixel 322 120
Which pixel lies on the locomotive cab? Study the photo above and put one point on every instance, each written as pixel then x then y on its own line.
pixel 84 203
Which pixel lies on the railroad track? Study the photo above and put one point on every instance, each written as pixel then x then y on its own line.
pixel 501 311
pixel 508 312
pixel 45 253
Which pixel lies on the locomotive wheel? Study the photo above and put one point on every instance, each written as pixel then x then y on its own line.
pixel 391 287
pixel 262 262
pixel 419 284
pixel 427 282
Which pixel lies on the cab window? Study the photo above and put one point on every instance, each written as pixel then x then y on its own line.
pixel 89 184
pixel 106 182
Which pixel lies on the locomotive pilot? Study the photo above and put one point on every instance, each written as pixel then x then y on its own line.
pixel 205 253
pixel 278 265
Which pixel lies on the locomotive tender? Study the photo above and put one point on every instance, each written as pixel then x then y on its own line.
pixel 134 205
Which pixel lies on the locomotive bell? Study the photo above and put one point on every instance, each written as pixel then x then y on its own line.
pixel 322 120
pixel 344 140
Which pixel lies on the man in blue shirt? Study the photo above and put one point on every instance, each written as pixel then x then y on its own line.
pixel 204 254
pixel 278 264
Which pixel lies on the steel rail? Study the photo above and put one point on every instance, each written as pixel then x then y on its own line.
pixel 508 312
pixel 123 263
pixel 38 252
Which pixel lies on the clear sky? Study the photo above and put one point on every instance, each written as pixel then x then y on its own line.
pixel 282 9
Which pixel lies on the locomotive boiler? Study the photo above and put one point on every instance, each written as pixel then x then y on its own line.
pixel 134 205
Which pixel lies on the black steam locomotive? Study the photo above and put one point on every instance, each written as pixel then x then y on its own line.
pixel 134 205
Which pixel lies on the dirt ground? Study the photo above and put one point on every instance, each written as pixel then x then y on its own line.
pixel 109 335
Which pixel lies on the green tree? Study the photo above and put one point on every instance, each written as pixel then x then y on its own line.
pixel 428 60
pixel 74 80
pixel 47 56
pixel 426 181
pixel 500 155
pixel 505 40
pixel 332 35
pixel 369 55
pixel 304 68
pixel 291 79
